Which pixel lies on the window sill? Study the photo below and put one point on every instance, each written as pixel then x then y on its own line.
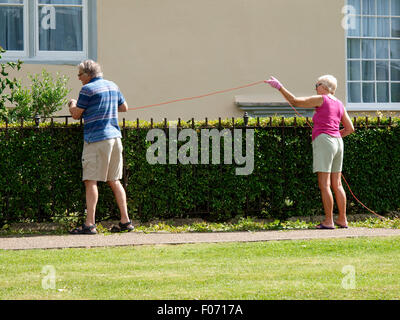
pixel 373 107
pixel 72 62
pixel 261 106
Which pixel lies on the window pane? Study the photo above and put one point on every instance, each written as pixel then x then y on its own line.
pixel 12 1
pixel 374 61
pixel 383 92
pixel 395 49
pixel 395 7
pixel 60 29
pixel 382 7
pixel 79 2
pixel 368 51
pixel 382 49
pixel 369 27
pixel 12 28
pixel 382 70
pixel 395 92
pixel 395 70
pixel 396 27
pixel 368 92
pixel 368 7
pixel 368 70
pixel 353 49
pixel 354 70
pixel 356 4
pixel 383 27
pixel 354 92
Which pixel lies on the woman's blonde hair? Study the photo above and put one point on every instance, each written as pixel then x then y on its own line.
pixel 330 82
pixel 91 68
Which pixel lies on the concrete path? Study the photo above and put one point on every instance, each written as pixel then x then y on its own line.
pixel 138 239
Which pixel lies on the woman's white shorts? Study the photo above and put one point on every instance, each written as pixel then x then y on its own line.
pixel 328 154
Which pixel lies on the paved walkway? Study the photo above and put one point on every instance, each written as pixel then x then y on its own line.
pixel 138 239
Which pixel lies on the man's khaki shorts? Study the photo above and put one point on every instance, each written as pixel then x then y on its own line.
pixel 328 154
pixel 102 161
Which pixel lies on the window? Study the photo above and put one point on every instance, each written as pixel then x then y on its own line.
pixel 12 25
pixel 50 31
pixel 373 55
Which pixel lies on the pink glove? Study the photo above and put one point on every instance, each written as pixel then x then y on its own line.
pixel 274 83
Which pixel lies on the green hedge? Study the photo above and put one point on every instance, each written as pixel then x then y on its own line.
pixel 40 174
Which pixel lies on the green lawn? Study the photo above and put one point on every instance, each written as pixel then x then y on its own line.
pixel 245 271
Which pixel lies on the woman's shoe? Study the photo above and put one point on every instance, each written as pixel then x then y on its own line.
pixel 340 226
pixel 323 227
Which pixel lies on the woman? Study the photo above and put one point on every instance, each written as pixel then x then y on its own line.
pixel 327 143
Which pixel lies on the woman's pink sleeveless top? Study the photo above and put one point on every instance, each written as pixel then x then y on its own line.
pixel 328 117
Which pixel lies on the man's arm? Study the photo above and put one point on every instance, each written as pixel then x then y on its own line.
pixel 75 112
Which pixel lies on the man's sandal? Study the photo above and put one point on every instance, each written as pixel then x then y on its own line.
pixel 127 226
pixel 84 230
pixel 123 227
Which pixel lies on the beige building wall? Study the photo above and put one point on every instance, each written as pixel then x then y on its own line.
pixel 160 50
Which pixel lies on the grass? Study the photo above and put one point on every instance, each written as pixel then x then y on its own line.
pixel 296 270
pixel 249 224
pixel 242 224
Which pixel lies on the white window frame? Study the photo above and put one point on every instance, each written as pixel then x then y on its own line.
pixel 370 106
pixel 32 54
pixel 25 52
pixel 57 55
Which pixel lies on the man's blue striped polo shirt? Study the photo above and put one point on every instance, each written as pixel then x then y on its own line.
pixel 100 98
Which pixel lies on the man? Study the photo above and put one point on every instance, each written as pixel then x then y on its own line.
pixel 99 102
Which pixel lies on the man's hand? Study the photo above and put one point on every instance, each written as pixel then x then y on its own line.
pixel 72 103
pixel 75 112
pixel 123 107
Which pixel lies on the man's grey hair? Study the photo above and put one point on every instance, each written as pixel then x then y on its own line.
pixel 91 68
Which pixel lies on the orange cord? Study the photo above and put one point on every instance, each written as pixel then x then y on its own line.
pixel 198 97
pixel 238 88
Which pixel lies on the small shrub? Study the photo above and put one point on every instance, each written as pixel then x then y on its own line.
pixel 45 96
pixel 7 85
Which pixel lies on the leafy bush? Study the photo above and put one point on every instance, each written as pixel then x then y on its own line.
pixel 7 85
pixel 41 174
pixel 45 96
